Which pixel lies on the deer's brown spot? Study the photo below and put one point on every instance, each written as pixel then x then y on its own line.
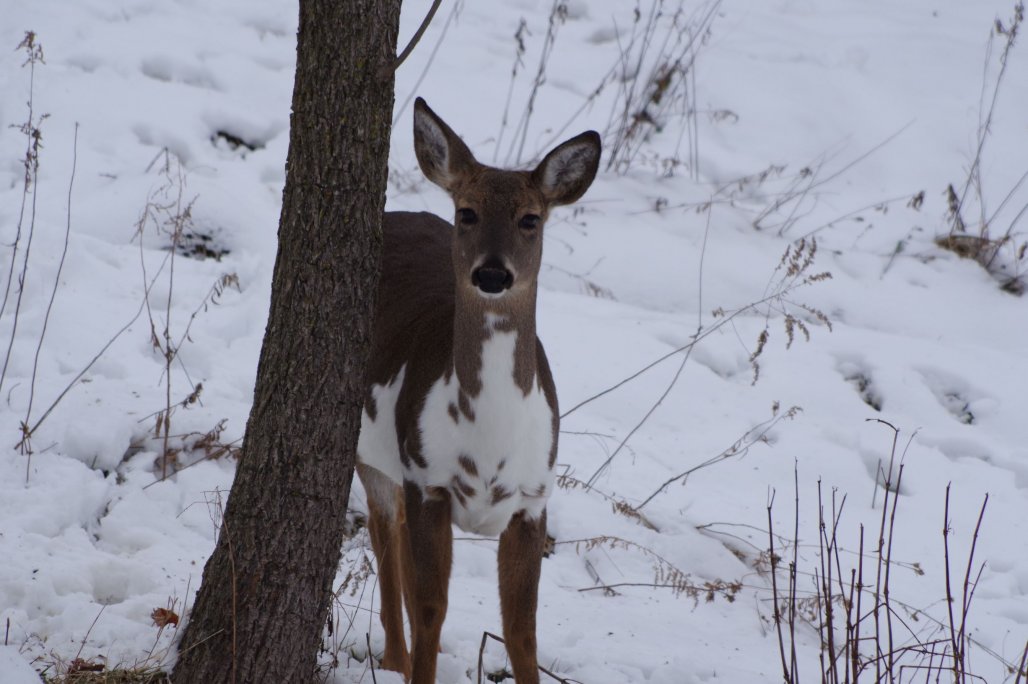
pixel 461 486
pixel 465 406
pixel 468 464
pixel 411 451
pixel 499 493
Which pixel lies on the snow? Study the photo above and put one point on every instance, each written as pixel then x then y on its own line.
pixel 850 107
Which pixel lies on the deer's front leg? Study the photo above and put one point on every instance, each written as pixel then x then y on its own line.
pixel 520 558
pixel 431 553
pixel 386 540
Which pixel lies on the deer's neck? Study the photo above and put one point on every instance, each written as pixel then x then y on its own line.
pixel 479 324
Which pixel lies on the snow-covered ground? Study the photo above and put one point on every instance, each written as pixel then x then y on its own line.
pixel 798 119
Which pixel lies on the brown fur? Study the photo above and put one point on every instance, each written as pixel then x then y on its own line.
pixel 521 547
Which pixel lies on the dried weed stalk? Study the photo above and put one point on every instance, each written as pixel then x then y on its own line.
pixel 657 80
pixel 25 445
pixel 516 151
pixel 169 214
pixel 793 272
pixel 665 574
pixel 1002 251
pixel 758 434
pixel 30 128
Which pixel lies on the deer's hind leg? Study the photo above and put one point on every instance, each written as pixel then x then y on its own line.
pixel 388 538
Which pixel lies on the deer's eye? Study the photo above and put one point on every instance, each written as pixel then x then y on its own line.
pixel 529 222
pixel 467 216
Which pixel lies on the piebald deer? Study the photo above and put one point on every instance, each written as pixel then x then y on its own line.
pixel 460 417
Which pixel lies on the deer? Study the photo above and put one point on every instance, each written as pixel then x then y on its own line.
pixel 460 418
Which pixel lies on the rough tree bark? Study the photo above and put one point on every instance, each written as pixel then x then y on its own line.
pixel 262 605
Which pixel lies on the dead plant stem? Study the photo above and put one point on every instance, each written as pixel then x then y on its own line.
pixel 1022 668
pixel 53 296
pixel 793 571
pixel 33 143
pixel 776 611
pixel 678 372
pixel 954 643
pixel 28 432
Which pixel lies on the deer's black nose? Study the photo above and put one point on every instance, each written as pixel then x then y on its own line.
pixel 491 277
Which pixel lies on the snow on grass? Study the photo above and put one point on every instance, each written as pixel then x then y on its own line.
pixel 795 120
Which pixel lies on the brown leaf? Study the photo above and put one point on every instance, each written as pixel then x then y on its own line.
pixel 162 617
pixel 79 665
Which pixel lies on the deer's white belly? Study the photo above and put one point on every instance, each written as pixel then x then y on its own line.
pixel 494 465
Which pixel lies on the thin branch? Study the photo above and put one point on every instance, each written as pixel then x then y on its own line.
pixel 490 635
pixel 724 319
pixel 417 35
pixel 968 587
pixel 738 448
pixel 428 64
pixel 28 432
pixel 642 421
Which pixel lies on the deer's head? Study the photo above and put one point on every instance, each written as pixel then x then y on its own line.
pixel 500 214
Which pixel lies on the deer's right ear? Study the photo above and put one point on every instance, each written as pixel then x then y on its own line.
pixel 567 171
pixel 442 155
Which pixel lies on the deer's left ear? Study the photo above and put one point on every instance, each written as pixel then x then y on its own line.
pixel 442 155
pixel 569 169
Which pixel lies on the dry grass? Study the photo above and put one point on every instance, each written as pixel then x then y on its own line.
pixel 87 672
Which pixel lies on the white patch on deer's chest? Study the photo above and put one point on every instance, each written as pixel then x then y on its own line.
pixel 490 453
pixel 493 458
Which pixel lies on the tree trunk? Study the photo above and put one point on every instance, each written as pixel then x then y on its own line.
pixel 262 605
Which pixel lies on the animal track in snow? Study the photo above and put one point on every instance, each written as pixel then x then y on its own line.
pixel 239 133
pixel 953 393
pixel 171 70
pixel 725 361
pixel 858 375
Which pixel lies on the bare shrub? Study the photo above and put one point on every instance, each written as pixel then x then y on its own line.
pixel 866 632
